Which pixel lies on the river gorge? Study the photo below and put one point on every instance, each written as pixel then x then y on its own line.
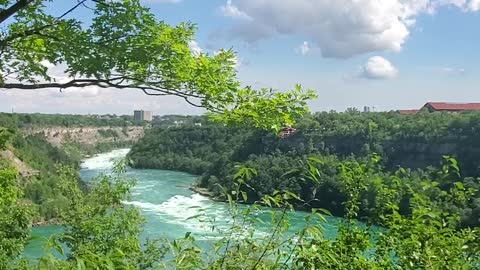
pixel 166 202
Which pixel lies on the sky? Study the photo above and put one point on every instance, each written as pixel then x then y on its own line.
pixel 385 54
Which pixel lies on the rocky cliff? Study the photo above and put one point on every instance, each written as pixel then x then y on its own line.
pixel 23 169
pixel 88 136
pixel 85 138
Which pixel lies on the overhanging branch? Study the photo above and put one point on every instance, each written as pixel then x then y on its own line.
pixel 30 32
pixel 7 13
pixel 150 90
pixel 35 31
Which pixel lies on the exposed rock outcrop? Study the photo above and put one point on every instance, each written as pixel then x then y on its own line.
pixel 88 135
pixel 21 167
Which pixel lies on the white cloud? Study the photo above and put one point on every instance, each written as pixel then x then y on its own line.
pixel 240 62
pixel 230 10
pixel 195 48
pixel 91 100
pixel 46 64
pixel 450 70
pixel 474 5
pixel 340 28
pixel 85 92
pixel 303 49
pixel 378 68
pixel 465 5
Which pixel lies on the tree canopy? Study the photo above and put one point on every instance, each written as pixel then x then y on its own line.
pixel 125 47
pixel 213 151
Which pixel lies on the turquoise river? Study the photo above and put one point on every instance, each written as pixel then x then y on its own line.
pixel 166 202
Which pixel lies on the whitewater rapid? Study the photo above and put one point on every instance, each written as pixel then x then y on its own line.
pixel 104 161
pixel 164 199
pixel 168 205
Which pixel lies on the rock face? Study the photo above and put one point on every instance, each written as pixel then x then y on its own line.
pixel 85 136
pixel 88 136
pixel 421 155
pixel 21 167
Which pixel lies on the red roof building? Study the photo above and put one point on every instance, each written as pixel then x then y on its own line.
pixel 408 111
pixel 451 107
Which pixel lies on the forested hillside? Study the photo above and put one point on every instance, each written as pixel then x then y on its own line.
pixel 39 144
pixel 415 142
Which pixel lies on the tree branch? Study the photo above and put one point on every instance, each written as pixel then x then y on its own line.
pixel 7 13
pixel 72 83
pixel 193 104
pixel 115 82
pixel 36 31
pixel 72 9
pixel 27 33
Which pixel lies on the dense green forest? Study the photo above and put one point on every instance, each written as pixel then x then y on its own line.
pixel 101 231
pixel 166 121
pixel 41 181
pixel 417 143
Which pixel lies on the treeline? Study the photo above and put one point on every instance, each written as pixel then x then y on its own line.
pixel 190 149
pixel 20 120
pixel 168 121
pixel 412 141
pixel 415 142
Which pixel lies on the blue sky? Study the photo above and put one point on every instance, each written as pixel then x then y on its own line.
pixel 391 54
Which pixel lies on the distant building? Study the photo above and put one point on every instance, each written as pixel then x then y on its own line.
pixel 147 116
pixel 366 109
pixel 444 107
pixel 451 107
pixel 414 111
pixel 141 115
pixel 138 116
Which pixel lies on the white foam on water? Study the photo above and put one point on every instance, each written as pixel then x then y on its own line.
pixel 104 161
pixel 177 206
pixel 178 209
pixel 143 187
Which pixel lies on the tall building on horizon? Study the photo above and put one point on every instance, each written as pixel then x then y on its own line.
pixel 141 115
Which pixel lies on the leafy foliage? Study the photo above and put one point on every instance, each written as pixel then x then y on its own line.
pixel 42 187
pixel 15 217
pixel 99 229
pixel 212 151
pixel 126 47
pixel 101 232
pixel 4 137
pixel 40 182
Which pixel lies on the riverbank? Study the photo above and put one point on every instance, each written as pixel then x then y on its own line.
pixel 47 222
pixel 218 198
pixel 206 193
